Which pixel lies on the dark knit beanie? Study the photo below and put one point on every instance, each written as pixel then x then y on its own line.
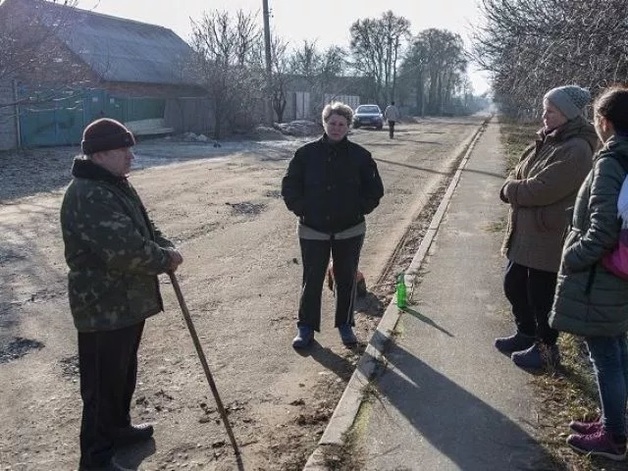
pixel 105 134
pixel 571 100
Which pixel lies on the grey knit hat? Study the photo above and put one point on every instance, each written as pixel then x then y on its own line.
pixel 571 100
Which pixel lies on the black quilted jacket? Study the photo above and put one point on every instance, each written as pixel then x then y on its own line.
pixel 330 187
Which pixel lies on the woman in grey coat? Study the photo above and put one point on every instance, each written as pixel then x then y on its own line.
pixel 540 189
pixel 590 300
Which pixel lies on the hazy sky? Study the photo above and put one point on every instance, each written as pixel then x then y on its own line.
pixel 327 21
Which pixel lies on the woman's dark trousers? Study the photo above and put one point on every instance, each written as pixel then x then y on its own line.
pixel 108 367
pixel 345 254
pixel 531 294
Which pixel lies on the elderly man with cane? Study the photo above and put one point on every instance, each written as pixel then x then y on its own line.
pixel 114 254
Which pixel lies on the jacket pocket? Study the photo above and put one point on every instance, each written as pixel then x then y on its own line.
pixel 94 292
pixel 551 219
pixel 143 296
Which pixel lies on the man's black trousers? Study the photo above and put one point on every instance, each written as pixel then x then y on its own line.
pixel 108 368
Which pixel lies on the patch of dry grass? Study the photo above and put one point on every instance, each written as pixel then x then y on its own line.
pixel 345 457
pixel 516 137
pixel 350 456
pixel 496 226
pixel 569 393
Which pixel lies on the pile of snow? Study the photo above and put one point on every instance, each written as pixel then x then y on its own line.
pixel 300 128
pixel 264 133
pixel 192 137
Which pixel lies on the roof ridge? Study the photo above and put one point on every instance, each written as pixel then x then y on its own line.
pixel 81 11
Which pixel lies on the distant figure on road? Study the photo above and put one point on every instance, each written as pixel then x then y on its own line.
pixel 539 190
pixel 114 253
pixel 330 185
pixel 591 300
pixel 391 113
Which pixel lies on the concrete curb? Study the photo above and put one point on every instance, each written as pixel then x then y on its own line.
pixel 349 405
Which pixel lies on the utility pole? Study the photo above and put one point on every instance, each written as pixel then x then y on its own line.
pixel 269 71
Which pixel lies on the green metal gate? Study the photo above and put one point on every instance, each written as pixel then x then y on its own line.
pixel 49 119
pixel 53 117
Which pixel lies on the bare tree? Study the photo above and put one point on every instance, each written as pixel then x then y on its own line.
pixel 434 70
pixel 376 46
pixel 35 67
pixel 279 76
pixel 318 68
pixel 227 60
pixel 413 74
pixel 367 48
pixel 396 29
pixel 28 42
pixel 306 61
pixel 333 62
pixel 530 46
pixel 333 65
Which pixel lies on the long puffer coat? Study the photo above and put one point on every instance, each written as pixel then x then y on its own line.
pixel 590 300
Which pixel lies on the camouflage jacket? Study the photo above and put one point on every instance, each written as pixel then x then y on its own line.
pixel 113 250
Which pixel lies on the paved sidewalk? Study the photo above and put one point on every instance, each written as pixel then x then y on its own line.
pixel 447 399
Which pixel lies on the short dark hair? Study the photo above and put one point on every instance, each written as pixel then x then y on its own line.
pixel 612 104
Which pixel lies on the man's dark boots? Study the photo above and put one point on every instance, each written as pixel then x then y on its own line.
pixel 133 434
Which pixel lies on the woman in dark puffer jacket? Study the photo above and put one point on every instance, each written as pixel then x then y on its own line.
pixel 590 301
pixel 330 185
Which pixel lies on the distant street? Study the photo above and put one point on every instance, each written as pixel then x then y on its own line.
pixel 241 281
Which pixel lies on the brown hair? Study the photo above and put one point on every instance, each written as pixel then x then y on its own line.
pixel 612 104
pixel 338 108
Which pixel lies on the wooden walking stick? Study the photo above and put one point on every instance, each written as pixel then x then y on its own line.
pixel 201 356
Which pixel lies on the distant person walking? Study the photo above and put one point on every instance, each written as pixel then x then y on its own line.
pixel 330 185
pixel 391 113
pixel 114 253
pixel 539 190
pixel 591 299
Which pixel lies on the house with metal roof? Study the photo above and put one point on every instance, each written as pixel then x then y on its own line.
pixel 90 65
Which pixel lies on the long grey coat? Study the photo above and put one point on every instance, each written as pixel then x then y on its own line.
pixel 590 300
pixel 541 188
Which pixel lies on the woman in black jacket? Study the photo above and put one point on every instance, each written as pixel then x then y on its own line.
pixel 330 184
